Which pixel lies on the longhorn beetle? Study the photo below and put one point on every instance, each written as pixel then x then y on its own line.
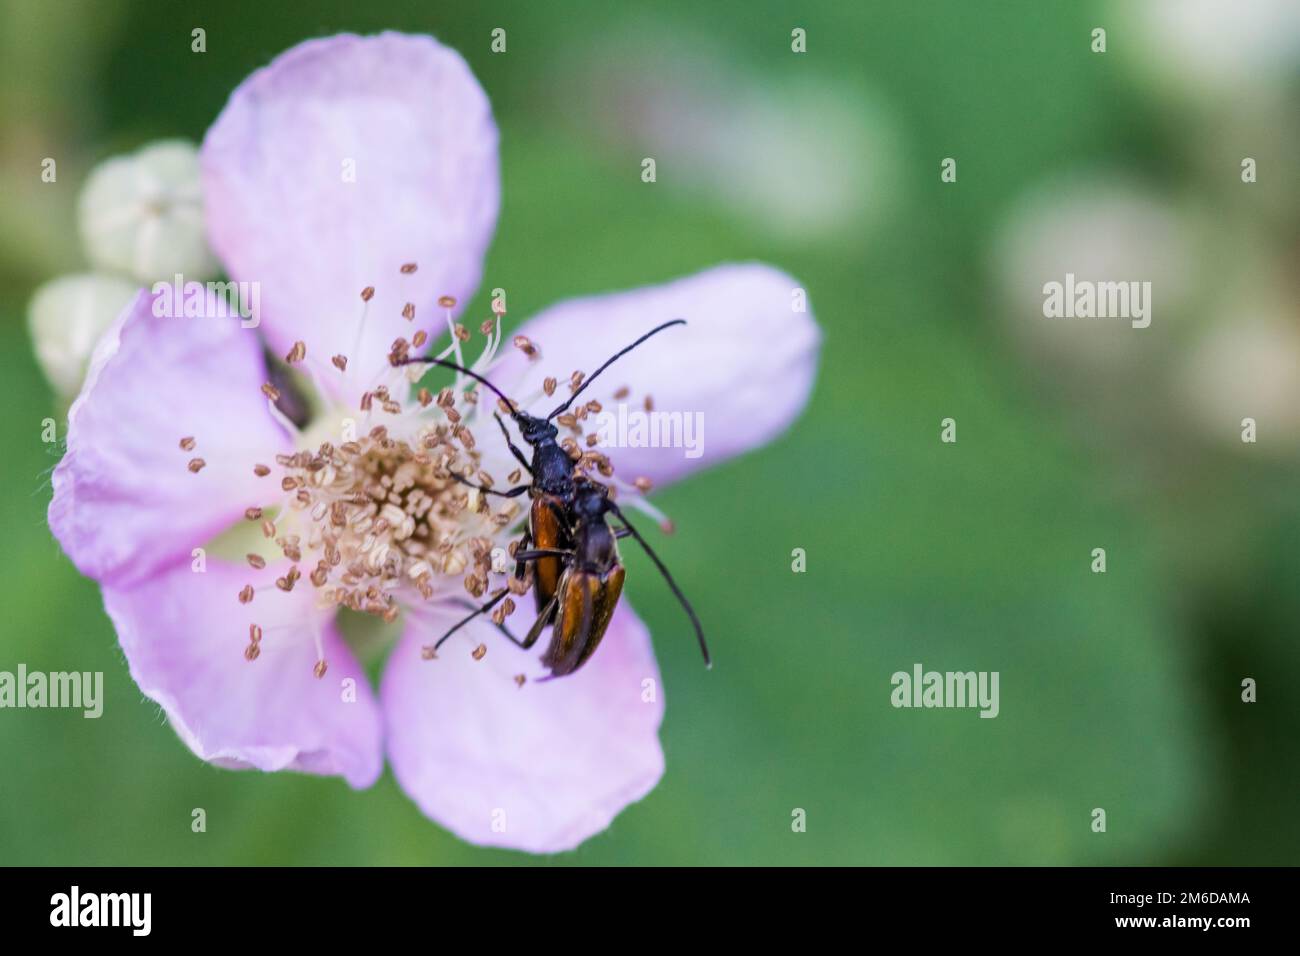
pixel 578 576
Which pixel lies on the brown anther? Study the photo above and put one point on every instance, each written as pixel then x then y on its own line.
pixel 623 393
pixel 261 471
pixel 246 594
pixel 479 652
pixel 575 381
pixel 253 514
pixel 592 439
pixel 548 385
pixel 447 301
pixel 268 528
pixel 522 343
pixel 254 633
pixel 320 669
pixel 419 338
pixel 196 465
pixel 488 327
pixel 256 561
pixel 425 397
pixel 289 482
pixel 571 447
pixel 408 268
pixel 187 444
pixel 340 362
pixel 367 400
pixel 503 611
pixel 270 391
pixel 428 653
pixel 649 403
pixel 520 679
pixel 251 652
pixel 285 583
pixel 567 421
pixel 297 353
pixel 461 332
pixel 594 407
pixel 367 293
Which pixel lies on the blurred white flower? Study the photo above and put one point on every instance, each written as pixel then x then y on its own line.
pixel 66 317
pixel 142 214
pixel 1101 228
pixel 1247 366
pixel 1216 49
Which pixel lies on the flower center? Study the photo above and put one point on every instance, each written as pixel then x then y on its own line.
pixel 381 516
pixel 370 512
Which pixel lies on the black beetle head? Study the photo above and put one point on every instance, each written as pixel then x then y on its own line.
pixel 590 499
pixel 535 430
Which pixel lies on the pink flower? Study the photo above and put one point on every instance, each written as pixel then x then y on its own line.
pixel 330 170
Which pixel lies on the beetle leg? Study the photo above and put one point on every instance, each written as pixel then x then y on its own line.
pixel 514 492
pixel 539 625
pixel 524 542
pixel 469 606
pixel 522 557
pixel 514 450
pixel 465 620
pixel 536 553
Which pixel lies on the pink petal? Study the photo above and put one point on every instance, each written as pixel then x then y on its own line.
pixel 406 114
pixel 184 636
pixel 552 763
pixel 745 362
pixel 125 501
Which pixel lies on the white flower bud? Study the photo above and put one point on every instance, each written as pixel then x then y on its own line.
pixel 142 214
pixel 66 317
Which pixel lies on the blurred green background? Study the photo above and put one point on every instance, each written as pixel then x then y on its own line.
pixel 1118 690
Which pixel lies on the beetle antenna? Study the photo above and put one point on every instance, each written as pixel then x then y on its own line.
pixel 699 631
pixel 514 411
pixel 615 357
